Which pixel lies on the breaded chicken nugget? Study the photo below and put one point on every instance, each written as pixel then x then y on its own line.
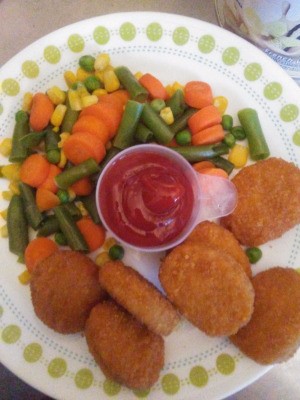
pixel 268 201
pixel 139 297
pixel 215 235
pixel 64 289
pixel 126 350
pixel 273 333
pixel 208 287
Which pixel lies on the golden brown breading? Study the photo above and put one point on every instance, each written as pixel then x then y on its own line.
pixel 208 287
pixel 215 235
pixel 268 201
pixel 126 350
pixel 273 333
pixel 64 288
pixel 139 297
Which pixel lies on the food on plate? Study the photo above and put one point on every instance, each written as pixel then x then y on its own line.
pixel 124 348
pixel 273 333
pixel 213 234
pixel 64 288
pixel 139 297
pixel 209 287
pixel 268 201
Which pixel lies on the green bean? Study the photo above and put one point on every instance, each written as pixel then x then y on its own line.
pixel 113 151
pixel 73 174
pixel 89 203
pixel 229 140
pixel 227 122
pixel 258 146
pixel 19 151
pixel 238 132
pixel 51 147
pixel 200 153
pixel 33 215
pixel 70 118
pixel 181 122
pixel 143 134
pixel 69 228
pixel 17 226
pixel 131 116
pixel 135 89
pixel 177 103
pixel 154 122
pixel 223 163
pixel 158 104
pixel 32 139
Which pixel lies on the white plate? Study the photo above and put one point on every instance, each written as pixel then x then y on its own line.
pixel 174 48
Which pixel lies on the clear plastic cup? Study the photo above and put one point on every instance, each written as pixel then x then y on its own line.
pixel 214 197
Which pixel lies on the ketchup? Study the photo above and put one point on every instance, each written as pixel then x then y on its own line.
pixel 145 198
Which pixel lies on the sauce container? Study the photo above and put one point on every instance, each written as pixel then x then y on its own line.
pixel 150 198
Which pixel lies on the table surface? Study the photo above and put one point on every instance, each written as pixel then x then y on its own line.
pixel 23 22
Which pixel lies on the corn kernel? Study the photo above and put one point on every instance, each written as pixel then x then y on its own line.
pixel 109 242
pixel 169 90
pixel 27 101
pixel 11 172
pixel 4 231
pixel 89 100
pixel 177 86
pixel 102 61
pixel 71 194
pixel 70 78
pixel 81 208
pixel 7 195
pixel 99 75
pixel 221 103
pixel 82 90
pixel 99 92
pixel 102 258
pixel 74 100
pixel 24 277
pixel 167 115
pixel 138 75
pixel 3 214
pixel 58 115
pixel 56 95
pixel 111 81
pixel 81 74
pixel 14 187
pixel 63 160
pixel 238 155
pixel 6 146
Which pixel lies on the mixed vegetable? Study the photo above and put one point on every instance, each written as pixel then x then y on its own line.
pixel 63 139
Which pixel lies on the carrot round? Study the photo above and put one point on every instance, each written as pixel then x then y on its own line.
pixel 93 234
pixel 119 98
pixel 204 118
pixel 41 110
pixel 34 170
pixel 37 250
pixel 83 187
pixel 49 182
pixel 93 125
pixel 198 166
pixel 211 135
pixel 154 86
pixel 215 172
pixel 198 94
pixel 81 146
pixel 46 200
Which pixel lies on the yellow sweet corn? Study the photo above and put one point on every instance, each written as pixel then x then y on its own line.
pixel 81 74
pixel 74 100
pixel 58 115
pixel 7 195
pixel 177 86
pixel 63 137
pixel 56 95
pixel 27 101
pixel 99 75
pixel 238 155
pixel 63 159
pixel 70 78
pixel 71 194
pixel 24 277
pixel 169 90
pixel 99 92
pixel 102 61
pixel 89 100
pixel 167 115
pixel 221 103
pixel 6 146
pixel 14 187
pixel 102 258
pixel 4 231
pixel 3 214
pixel 109 242
pixel 11 172
pixel 111 81
pixel 138 75
pixel 81 208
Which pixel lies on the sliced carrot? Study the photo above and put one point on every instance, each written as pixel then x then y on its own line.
pixel 204 118
pixel 41 110
pixel 213 134
pixel 109 113
pixel 119 98
pixel 49 182
pixel 93 125
pixel 81 146
pixel 154 86
pixel 83 187
pixel 198 94
pixel 46 200
pixel 93 234
pixel 34 170
pixel 215 172
pixel 37 250
pixel 198 166
pixel 122 95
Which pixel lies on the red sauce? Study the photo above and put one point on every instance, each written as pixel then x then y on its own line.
pixel 145 199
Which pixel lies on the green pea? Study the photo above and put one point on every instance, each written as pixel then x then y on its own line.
pixel 254 254
pixel 60 239
pixel 183 138
pixel 92 83
pixel 87 63
pixel 238 132
pixel 116 252
pixel 229 140
pixel 227 122
pixel 158 104
pixel 63 196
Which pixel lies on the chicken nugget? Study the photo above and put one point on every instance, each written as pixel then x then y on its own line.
pixel 139 297
pixel 268 201
pixel 215 235
pixel 126 350
pixel 208 287
pixel 64 288
pixel 273 333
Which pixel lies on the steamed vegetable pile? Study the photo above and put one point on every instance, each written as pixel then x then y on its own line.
pixel 63 138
